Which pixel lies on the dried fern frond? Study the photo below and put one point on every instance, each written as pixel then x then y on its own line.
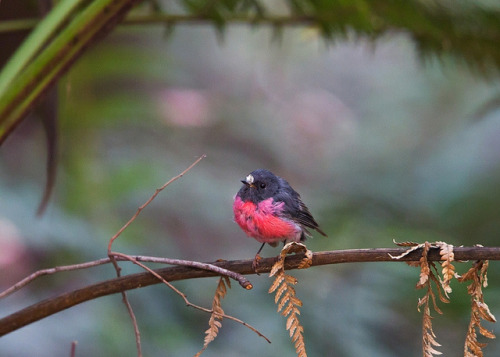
pixel 414 264
pixel 448 271
pixel 425 270
pixel 414 247
pixel 405 244
pixel 293 247
pixel 479 309
pixel 288 303
pixel 428 273
pixel 429 338
pixel 307 261
pixel 441 294
pixel 483 273
pixel 215 321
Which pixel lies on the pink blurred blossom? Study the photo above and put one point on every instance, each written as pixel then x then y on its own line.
pixel 184 107
pixel 13 253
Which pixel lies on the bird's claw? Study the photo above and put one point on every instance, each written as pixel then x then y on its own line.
pixel 256 263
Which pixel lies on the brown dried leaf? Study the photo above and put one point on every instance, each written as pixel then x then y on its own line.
pixel 287 310
pixel 428 336
pixel 413 264
pixel 277 281
pixel 295 247
pixel 296 301
pixel 298 330
pixel 405 244
pixel 288 303
pixel 430 351
pixel 485 312
pixel 307 261
pixel 291 322
pixel 479 309
pixel 291 247
pixel 469 275
pixel 228 282
pixel 284 251
pixel 432 339
pixel 448 270
pixel 422 301
pixel 426 277
pixel 486 333
pixel 483 273
pixel 412 249
pixel 438 287
pixel 214 322
pixel 434 303
pixel 290 279
pixel 424 267
pixel 284 300
pixel 276 267
pixel 279 292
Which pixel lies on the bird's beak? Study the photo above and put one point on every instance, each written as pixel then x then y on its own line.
pixel 248 181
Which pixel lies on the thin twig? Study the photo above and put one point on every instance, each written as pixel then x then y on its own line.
pixel 245 324
pixel 198 265
pixel 182 295
pixel 159 277
pixel 158 190
pixel 115 263
pixel 142 258
pixel 131 313
pixel 19 285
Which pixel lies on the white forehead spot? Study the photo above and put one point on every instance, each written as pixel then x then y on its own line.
pixel 249 179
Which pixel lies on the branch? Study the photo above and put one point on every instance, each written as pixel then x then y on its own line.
pixel 51 306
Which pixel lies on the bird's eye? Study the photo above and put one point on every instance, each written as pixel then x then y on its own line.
pixel 262 185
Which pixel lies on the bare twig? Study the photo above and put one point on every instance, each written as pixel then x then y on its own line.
pixel 159 277
pixel 246 325
pixel 51 306
pixel 158 190
pixel 49 271
pixel 182 295
pixel 198 265
pixel 131 313
pixel 141 258
pixel 117 267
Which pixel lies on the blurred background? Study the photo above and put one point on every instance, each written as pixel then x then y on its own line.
pixel 381 144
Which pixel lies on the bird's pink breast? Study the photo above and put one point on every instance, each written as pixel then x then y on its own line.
pixel 262 221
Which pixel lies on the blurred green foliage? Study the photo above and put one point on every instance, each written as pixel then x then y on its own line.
pixel 380 145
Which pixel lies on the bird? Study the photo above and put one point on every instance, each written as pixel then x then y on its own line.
pixel 269 210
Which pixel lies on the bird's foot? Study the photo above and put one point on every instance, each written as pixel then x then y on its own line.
pixel 256 263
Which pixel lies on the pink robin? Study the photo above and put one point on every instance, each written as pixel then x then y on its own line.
pixel 268 209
